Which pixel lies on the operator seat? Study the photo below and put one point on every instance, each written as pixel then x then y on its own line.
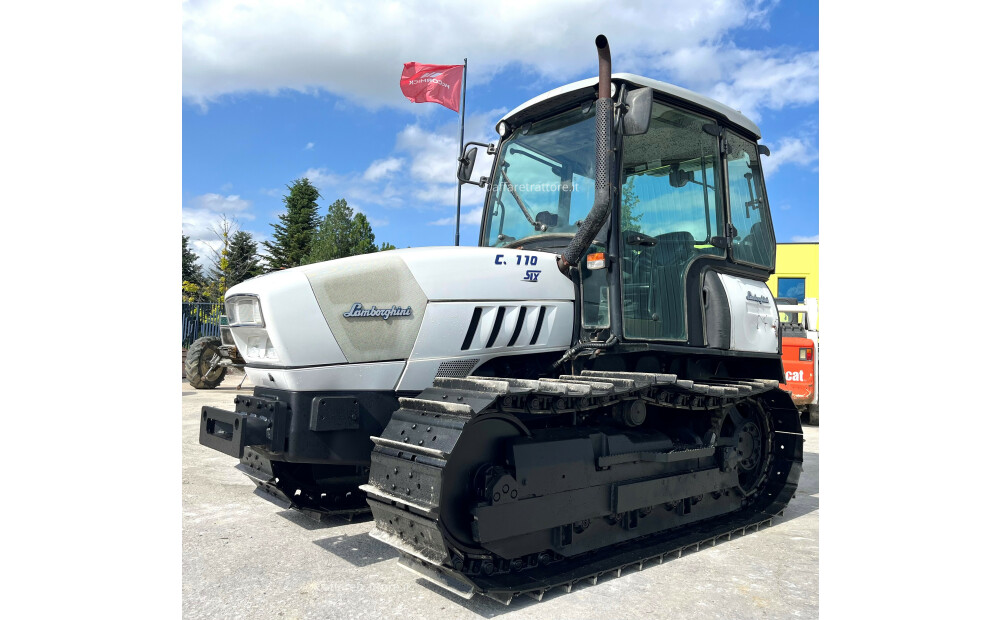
pixel 671 255
pixel 754 247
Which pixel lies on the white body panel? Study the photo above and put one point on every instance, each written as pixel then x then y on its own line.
pixel 352 377
pixel 454 282
pixel 445 326
pixel 292 318
pixel 754 316
pixel 465 273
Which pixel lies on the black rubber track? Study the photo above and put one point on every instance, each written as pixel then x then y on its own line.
pixel 409 506
pixel 295 485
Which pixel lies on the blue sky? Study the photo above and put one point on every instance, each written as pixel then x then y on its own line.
pixel 273 93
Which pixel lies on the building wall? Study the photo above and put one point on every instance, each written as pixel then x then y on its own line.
pixel 797 260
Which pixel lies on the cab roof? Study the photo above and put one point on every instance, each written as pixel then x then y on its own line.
pixel 564 95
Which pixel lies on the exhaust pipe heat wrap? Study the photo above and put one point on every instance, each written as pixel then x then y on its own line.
pixel 602 177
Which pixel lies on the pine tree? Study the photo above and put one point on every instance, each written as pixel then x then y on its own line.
pixel 244 263
pixel 341 233
pixel 294 234
pixel 386 246
pixel 192 280
pixel 190 269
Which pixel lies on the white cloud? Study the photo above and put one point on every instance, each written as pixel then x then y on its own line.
pixel 419 175
pixel 321 178
pixel 202 215
pixel 231 47
pixel 770 80
pixel 309 146
pixel 381 168
pixel 797 151
pixel 469 218
pixel 433 159
pixel 802 239
pixel 745 79
pixel 218 203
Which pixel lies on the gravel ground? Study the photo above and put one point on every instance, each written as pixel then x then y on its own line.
pixel 244 557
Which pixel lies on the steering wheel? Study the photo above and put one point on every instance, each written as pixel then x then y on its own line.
pixel 520 242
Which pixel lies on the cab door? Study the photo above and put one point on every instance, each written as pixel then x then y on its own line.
pixel 670 209
pixel 753 239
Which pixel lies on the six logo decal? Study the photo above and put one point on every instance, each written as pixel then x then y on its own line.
pixel 530 275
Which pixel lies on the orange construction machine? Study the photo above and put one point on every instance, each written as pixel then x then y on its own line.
pixel 800 355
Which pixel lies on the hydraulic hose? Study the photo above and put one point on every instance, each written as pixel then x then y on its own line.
pixel 581 346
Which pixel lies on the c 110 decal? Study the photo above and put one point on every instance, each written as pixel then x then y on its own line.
pixel 530 275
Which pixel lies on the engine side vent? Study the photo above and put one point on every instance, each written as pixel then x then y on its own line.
pixel 497 326
pixel 473 326
pixel 456 368
pixel 538 326
pixel 517 328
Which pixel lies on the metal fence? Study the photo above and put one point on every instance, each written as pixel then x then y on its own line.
pixel 198 320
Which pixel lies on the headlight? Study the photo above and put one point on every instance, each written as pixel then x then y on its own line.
pixel 244 310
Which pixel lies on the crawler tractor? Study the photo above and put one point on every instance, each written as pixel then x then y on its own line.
pixel 593 387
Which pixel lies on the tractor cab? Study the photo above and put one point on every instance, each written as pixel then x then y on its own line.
pixel 687 205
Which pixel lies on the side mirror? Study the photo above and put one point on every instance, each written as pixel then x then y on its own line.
pixel 763 150
pixel 639 111
pixel 466 163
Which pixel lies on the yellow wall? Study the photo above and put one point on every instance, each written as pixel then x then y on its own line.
pixel 797 260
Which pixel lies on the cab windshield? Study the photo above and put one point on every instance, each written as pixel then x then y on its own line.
pixel 544 185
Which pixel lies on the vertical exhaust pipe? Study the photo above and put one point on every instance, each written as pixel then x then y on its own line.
pixel 602 179
pixel 603 67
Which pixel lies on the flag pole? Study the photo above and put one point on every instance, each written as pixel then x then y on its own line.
pixel 461 141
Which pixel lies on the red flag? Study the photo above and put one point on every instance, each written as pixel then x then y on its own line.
pixel 436 83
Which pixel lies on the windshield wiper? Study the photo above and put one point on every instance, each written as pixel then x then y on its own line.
pixel 517 198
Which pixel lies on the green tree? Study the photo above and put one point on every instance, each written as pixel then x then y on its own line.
pixel 235 261
pixel 342 233
pixel 294 233
pixel 192 279
pixel 244 262
pixel 221 272
pixel 629 200
pixel 386 246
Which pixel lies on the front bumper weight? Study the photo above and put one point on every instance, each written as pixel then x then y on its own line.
pixel 256 422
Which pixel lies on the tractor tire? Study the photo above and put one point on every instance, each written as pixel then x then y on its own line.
pixel 199 360
pixel 813 415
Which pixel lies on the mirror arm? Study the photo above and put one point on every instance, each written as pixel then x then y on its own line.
pixel 481 182
pixel 491 149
